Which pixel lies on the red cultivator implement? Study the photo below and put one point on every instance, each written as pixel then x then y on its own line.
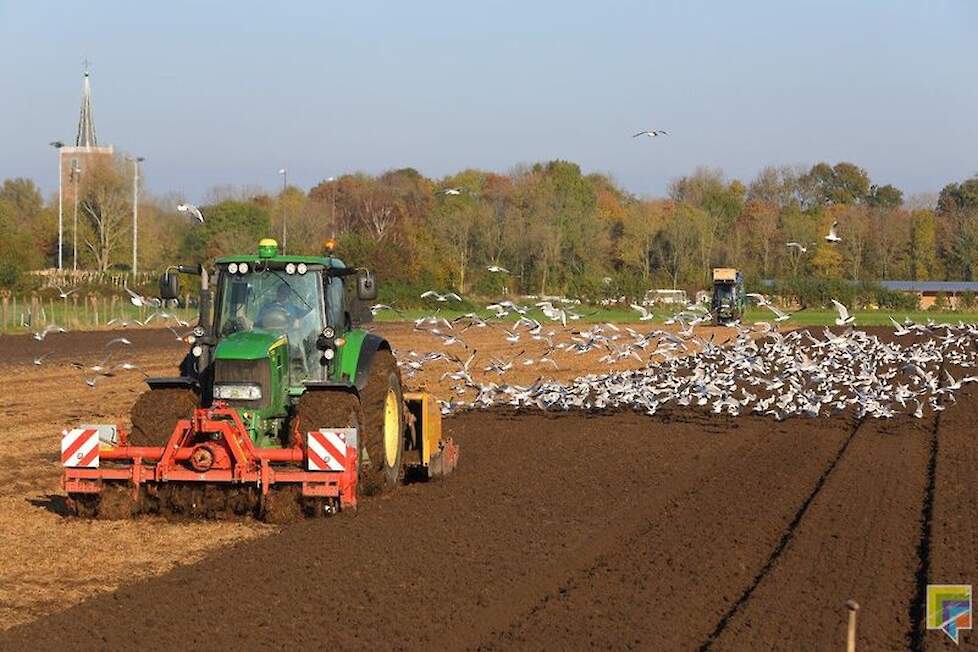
pixel 210 466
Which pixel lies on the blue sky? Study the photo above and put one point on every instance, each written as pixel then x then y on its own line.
pixel 229 92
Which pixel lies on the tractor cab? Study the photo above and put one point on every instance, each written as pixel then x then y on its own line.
pixel 728 302
pixel 264 301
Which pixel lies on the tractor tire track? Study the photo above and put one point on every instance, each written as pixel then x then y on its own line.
pixel 858 539
pixel 952 535
pixel 667 560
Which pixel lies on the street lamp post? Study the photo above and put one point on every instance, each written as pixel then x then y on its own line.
pixel 135 213
pixel 75 178
pixel 285 216
pixel 58 145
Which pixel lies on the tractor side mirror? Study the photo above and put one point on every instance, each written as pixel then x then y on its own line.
pixel 170 286
pixel 366 286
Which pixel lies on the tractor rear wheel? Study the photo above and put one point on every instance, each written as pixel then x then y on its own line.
pixel 156 412
pixel 382 401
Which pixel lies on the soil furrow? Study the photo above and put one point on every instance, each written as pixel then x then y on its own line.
pixel 669 563
pixel 858 540
pixel 953 550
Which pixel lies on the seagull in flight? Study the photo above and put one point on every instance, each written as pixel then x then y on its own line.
pixel 497 269
pixel 442 298
pixel 139 300
pixel 797 245
pixel 651 133
pixel 646 315
pixel 50 328
pixel 833 236
pixel 64 295
pixel 844 317
pixel 193 210
pixel 452 191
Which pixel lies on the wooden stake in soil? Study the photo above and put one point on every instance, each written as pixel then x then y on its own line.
pixel 853 607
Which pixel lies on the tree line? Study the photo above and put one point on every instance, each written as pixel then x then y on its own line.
pixel 554 229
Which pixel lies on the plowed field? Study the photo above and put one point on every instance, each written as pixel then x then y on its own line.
pixel 684 530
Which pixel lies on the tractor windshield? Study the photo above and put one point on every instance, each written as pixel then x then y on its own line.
pixel 724 293
pixel 272 300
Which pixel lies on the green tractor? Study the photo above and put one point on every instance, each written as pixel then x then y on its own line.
pixel 284 399
pixel 728 301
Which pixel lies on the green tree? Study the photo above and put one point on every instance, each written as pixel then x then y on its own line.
pixel 229 227
pixel 885 197
pixel 959 197
pixel 923 246
pixel 843 183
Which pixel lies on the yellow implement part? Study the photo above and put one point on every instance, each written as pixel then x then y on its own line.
pixel 427 423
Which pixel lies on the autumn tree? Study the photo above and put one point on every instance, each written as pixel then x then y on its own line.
pixel 641 222
pixel 105 209
pixel 843 183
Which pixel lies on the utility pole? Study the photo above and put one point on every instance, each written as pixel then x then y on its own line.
pixel 58 145
pixel 75 178
pixel 285 216
pixel 135 213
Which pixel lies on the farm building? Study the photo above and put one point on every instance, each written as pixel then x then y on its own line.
pixel 927 291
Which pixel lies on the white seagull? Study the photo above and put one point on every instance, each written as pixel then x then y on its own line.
pixel 440 297
pixel 643 311
pixel 651 133
pixel 139 300
pixel 798 246
pixel 452 191
pixel 497 269
pixel 844 317
pixel 833 236
pixel 64 295
pixel 193 210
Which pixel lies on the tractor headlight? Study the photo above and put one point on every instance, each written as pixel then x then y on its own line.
pixel 329 354
pixel 233 268
pixel 301 268
pixel 243 268
pixel 237 392
pixel 290 268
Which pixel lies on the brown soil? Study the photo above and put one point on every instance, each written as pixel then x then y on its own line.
pixel 677 531
pixel 951 545
pixel 156 412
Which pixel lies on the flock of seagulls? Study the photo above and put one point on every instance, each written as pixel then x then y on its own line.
pixel 103 368
pixel 761 370
pixel 91 372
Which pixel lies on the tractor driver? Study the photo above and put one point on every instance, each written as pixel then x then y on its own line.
pixel 281 313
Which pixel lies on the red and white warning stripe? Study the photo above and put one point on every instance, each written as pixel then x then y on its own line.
pixel 79 448
pixel 326 449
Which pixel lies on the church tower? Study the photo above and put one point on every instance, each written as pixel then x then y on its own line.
pixel 86 152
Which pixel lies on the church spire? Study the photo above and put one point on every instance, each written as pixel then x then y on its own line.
pixel 86 121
